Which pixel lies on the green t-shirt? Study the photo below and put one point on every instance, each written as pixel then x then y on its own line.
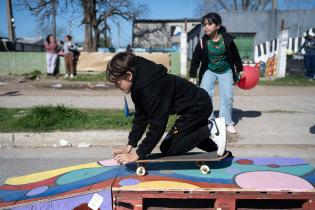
pixel 217 58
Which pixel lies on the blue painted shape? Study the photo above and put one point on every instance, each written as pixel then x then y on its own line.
pixel 11 195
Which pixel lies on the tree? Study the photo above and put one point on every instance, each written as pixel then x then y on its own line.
pixel 113 10
pixel 44 10
pixel 232 5
pixel 205 6
pixel 95 13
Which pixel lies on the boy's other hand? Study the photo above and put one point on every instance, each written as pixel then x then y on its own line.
pixel 125 158
pixel 122 150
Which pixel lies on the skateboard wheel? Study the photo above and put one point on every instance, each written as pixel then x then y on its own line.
pixel 140 171
pixel 204 169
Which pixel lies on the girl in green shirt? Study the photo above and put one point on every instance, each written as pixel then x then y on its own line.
pixel 220 61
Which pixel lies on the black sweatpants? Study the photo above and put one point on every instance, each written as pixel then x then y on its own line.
pixel 190 131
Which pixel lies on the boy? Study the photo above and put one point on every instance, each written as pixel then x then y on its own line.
pixel 156 95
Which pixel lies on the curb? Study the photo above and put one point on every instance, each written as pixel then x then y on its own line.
pixel 51 139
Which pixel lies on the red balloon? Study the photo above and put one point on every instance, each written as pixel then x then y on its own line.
pixel 250 78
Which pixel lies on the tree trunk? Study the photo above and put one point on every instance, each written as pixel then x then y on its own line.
pixel 89 11
pixel 88 41
pixel 96 39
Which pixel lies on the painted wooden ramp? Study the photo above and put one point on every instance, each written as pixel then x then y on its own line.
pixel 65 188
pixel 233 183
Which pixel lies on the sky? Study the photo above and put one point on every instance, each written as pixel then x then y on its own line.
pixel 26 25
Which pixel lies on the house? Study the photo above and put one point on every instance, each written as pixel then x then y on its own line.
pixel 160 33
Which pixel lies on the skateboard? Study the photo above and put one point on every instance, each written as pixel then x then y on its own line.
pixel 200 158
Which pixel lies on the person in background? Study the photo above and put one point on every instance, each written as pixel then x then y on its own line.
pixel 68 48
pixel 309 56
pixel 51 54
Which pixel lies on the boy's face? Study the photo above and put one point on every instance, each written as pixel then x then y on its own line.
pixel 125 84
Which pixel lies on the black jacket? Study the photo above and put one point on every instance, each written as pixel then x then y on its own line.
pixel 156 95
pixel 200 54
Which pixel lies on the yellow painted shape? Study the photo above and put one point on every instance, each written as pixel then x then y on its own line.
pixel 37 177
pixel 159 185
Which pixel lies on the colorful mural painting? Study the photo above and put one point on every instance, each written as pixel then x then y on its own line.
pixel 292 174
pixel 68 187
pixel 73 187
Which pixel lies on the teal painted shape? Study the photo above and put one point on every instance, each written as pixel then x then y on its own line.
pixel 81 174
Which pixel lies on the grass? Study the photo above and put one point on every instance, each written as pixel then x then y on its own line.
pixel 289 80
pixel 90 77
pixel 61 118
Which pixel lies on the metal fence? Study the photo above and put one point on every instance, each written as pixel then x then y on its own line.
pixel 8 46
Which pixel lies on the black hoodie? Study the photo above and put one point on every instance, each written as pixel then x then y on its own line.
pixel 156 95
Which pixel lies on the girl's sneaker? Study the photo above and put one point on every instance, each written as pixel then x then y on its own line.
pixel 66 76
pixel 218 134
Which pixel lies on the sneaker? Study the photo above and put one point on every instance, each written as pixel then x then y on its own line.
pixel 66 76
pixel 231 129
pixel 218 134
pixel 71 76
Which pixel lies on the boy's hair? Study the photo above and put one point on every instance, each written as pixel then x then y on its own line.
pixel 119 65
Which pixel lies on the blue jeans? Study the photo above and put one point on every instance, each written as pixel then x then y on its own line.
pixel 309 63
pixel 226 89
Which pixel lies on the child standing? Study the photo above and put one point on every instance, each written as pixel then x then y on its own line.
pixel 67 48
pixel 156 95
pixel 220 61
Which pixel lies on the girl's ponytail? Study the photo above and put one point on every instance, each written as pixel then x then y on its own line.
pixel 222 29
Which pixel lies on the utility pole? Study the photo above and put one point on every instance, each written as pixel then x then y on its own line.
pixel 10 19
pixel 274 27
pixel 274 5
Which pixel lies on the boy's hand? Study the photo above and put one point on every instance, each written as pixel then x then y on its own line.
pixel 125 158
pixel 122 150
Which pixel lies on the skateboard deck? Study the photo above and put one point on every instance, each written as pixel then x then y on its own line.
pixel 201 158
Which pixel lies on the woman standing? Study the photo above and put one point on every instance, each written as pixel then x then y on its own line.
pixel 220 61
pixel 51 53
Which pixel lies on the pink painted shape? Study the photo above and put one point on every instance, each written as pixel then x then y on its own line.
pixel 270 180
pixel 109 162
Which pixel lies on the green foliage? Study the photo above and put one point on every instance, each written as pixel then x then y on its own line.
pixel 46 118
pixel 289 80
pixel 89 77
pixel 54 118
